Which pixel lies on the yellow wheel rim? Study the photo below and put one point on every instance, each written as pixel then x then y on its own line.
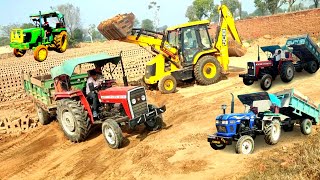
pixel 209 70
pixel 42 54
pixel 64 45
pixel 168 85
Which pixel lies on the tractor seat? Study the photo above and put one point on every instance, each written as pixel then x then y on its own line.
pixel 59 25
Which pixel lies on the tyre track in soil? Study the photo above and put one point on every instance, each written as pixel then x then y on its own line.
pixel 178 151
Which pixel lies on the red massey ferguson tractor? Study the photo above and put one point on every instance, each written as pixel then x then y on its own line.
pixel 279 63
pixel 117 105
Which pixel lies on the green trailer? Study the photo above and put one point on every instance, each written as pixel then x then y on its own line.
pixel 41 90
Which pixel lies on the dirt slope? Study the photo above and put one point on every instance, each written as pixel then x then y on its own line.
pixel 179 151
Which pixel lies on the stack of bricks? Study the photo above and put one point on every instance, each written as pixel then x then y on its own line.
pixel 134 59
pixel 17 126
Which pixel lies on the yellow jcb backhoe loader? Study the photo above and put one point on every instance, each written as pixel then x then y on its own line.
pixel 186 52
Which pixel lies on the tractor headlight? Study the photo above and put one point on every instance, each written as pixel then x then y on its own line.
pixel 224 122
pixel 232 121
pixel 143 97
pixel 133 101
pixel 218 122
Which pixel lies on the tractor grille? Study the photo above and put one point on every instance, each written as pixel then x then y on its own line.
pixel 251 68
pixel 222 129
pixel 141 106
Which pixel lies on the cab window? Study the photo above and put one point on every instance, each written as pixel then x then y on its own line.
pixel 173 38
pixel 205 38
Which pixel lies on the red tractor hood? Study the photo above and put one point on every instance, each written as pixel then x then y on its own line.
pixel 113 94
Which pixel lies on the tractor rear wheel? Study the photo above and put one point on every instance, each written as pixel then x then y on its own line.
pixel 167 84
pixel 19 53
pixel 73 119
pixel 311 67
pixel 272 132
pixel 112 133
pixel 207 70
pixel 306 126
pixel 287 71
pixel 266 82
pixel 44 116
pixel 155 123
pixel 247 82
pixel 61 41
pixel 40 53
pixel 245 145
pixel 217 146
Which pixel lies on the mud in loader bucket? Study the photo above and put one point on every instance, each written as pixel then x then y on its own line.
pixel 235 49
pixel 118 27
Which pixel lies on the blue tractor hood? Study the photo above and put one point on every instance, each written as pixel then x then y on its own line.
pixel 236 116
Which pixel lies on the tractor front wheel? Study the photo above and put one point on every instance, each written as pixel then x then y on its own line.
pixel 287 71
pixel 207 70
pixel 73 119
pixel 19 53
pixel 272 132
pixel 217 146
pixel 247 82
pixel 306 127
pixel 245 145
pixel 40 53
pixel 154 123
pixel 167 84
pixel 112 133
pixel 61 42
pixel 266 82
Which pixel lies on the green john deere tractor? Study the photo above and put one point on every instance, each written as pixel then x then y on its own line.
pixel 42 37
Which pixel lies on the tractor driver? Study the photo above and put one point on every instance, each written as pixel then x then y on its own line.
pixel 46 27
pixel 92 94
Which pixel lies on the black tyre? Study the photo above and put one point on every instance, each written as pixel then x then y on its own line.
pixel 73 119
pixel 287 71
pixel 207 70
pixel 266 82
pixel 311 67
pixel 155 123
pixel 306 126
pixel 217 146
pixel 272 132
pixel 167 84
pixel 61 41
pixel 245 145
pixel 247 82
pixel 44 116
pixel 19 53
pixel 288 128
pixel 112 133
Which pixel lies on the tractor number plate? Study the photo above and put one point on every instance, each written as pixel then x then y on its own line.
pixel 215 142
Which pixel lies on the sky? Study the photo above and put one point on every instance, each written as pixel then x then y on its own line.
pixel 95 11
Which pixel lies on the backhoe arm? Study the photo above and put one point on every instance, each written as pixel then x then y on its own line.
pixel 228 19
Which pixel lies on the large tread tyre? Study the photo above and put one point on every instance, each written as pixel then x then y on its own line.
pixel 311 67
pixel 40 53
pixel 18 53
pixel 73 119
pixel 207 70
pixel 306 126
pixel 245 145
pixel 155 123
pixel 44 116
pixel 61 41
pixel 287 71
pixel 112 133
pixel 288 128
pixel 272 132
pixel 266 82
pixel 217 146
pixel 167 84
pixel 247 82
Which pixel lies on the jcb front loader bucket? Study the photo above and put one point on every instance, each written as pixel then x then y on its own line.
pixel 235 49
pixel 118 27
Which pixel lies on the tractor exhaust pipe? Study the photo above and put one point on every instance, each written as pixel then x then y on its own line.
pixel 124 77
pixel 258 53
pixel 232 104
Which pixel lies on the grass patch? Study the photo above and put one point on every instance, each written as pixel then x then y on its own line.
pixel 302 161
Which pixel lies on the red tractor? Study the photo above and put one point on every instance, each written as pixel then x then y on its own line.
pixel 279 63
pixel 117 105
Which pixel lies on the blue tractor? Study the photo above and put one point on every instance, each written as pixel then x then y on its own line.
pixel 265 114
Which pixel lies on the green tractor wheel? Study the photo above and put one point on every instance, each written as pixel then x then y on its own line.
pixel 61 42
pixel 40 53
pixel 19 53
